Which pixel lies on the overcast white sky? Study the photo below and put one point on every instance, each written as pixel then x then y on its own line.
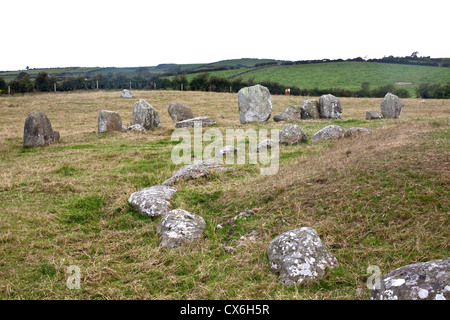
pixel 60 33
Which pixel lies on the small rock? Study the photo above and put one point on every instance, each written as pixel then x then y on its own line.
pixel 126 94
pixel 353 132
pixel 187 172
pixel 370 115
pixel 225 150
pixel 179 226
pixel 152 201
pixel 290 114
pixel 265 144
pixel 136 128
pixel 292 134
pixel 191 123
pixel 329 132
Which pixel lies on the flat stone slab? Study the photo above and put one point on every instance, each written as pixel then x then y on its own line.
pixel 152 201
pixel 357 131
pixel 329 132
pixel 190 123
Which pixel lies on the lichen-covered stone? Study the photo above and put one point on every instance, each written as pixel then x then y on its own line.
pixel 290 114
pixel 180 112
pixel 310 109
pixel 152 201
pixel 179 226
pixel 421 281
pixel 255 104
pixel 371 115
pixel 300 257
pixel 126 94
pixel 145 115
pixel 292 134
pixel 226 150
pixel 391 106
pixel 329 132
pixel 109 121
pixel 38 130
pixel 187 172
pixel 330 107
pixel 357 131
pixel 191 123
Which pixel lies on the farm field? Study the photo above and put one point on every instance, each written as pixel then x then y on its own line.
pixel 380 199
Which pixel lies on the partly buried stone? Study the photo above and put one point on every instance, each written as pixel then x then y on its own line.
pixel 187 172
pixel 391 106
pixel 300 257
pixel 126 94
pixel 354 132
pixel 145 115
pixel 180 112
pixel 179 226
pixel 152 201
pixel 255 104
pixel 226 150
pixel 290 114
pixel 38 130
pixel 329 132
pixel 136 128
pixel 421 281
pixel 292 134
pixel 370 115
pixel 330 107
pixel 191 123
pixel 310 109
pixel 109 121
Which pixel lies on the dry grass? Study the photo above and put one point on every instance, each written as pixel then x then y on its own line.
pixel 380 199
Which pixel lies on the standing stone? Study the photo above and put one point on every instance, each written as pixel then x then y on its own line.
pixel 310 109
pixel 300 257
pixel 255 104
pixel 126 94
pixel 330 107
pixel 179 226
pixel 391 106
pixel 180 112
pixel 421 281
pixel 38 130
pixel 145 115
pixel 152 201
pixel 290 114
pixel 370 115
pixel 329 132
pixel 109 121
pixel 292 134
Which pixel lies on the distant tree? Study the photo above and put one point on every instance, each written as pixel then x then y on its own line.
pixel 3 85
pixel 200 82
pixel 43 82
pixel 415 54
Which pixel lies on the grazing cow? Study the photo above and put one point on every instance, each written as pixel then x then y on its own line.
pixel 287 92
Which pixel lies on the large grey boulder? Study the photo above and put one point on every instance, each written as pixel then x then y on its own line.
pixel 179 226
pixel 421 281
pixel 255 104
pixel 191 123
pixel 330 107
pixel 145 115
pixel 292 134
pixel 391 106
pixel 329 132
pixel 290 114
pixel 356 131
pixel 371 115
pixel 126 94
pixel 109 121
pixel 310 109
pixel 179 112
pixel 152 201
pixel 300 257
pixel 38 130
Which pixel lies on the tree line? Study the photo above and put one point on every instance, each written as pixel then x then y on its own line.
pixel 144 80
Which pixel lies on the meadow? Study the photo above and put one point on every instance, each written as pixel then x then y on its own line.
pixel 380 199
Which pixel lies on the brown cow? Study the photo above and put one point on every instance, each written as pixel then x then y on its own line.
pixel 287 92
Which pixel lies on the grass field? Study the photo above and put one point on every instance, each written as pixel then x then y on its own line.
pixel 381 199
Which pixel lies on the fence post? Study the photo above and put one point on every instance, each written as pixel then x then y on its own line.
pixel 9 90
pixel 54 86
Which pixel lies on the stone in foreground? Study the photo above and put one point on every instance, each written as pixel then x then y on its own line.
pixel 191 123
pixel 179 226
pixel 330 107
pixel 300 257
pixel 310 109
pixel 421 281
pixel 292 134
pixel 290 114
pixel 179 112
pixel 109 121
pixel 255 104
pixel 371 115
pixel 391 106
pixel 38 130
pixel 329 132
pixel 145 115
pixel 152 201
